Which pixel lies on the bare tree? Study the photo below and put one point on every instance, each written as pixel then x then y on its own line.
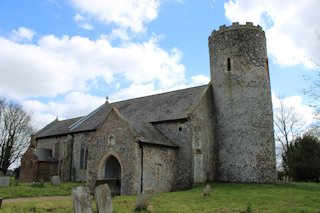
pixel 288 125
pixel 15 129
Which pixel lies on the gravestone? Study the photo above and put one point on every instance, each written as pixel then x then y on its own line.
pixel 4 181
pixel 206 190
pixel 144 200
pixel 81 199
pixel 102 196
pixel 55 180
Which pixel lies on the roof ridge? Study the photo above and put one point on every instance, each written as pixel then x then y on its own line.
pixel 172 91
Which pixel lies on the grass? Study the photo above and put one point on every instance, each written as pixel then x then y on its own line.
pixel 224 197
pixel 17 190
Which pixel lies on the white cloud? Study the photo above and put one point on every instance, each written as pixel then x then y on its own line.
pixel 73 105
pixel 295 104
pixel 199 80
pixel 292 27
pixel 126 14
pixel 82 22
pixel 61 65
pixel 22 35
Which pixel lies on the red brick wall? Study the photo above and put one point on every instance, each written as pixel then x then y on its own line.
pixel 30 173
pixel 27 172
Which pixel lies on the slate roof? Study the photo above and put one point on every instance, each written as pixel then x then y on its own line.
pixel 149 134
pixel 155 108
pixel 44 155
pixel 161 107
pixel 56 128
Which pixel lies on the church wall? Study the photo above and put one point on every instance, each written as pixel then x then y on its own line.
pixel 159 168
pixel 202 126
pixel 124 147
pixel 53 143
pixel 180 133
pixel 80 139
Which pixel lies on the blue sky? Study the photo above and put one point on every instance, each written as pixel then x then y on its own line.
pixel 63 57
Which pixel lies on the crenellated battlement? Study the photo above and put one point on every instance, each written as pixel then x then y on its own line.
pixel 234 26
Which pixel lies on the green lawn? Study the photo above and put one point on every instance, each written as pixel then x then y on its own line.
pixel 224 197
pixel 24 190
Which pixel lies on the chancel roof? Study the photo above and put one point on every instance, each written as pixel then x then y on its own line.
pixel 168 106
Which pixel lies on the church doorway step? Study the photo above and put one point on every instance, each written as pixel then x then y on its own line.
pixel 112 174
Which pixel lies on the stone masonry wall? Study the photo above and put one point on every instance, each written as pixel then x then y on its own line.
pixel 125 149
pixel 53 143
pixel 204 155
pixel 180 133
pixel 81 138
pixel 159 168
pixel 242 101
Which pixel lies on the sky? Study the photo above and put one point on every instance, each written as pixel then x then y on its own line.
pixel 64 57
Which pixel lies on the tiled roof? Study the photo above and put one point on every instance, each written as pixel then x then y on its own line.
pixel 161 107
pixel 156 108
pixel 149 134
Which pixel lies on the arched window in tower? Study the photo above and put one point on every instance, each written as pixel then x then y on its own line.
pixel 229 64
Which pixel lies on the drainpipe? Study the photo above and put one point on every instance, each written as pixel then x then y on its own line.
pixel 141 147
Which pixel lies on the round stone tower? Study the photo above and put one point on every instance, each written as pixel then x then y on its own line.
pixel 242 104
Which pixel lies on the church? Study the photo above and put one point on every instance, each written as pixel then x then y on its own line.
pixel 222 131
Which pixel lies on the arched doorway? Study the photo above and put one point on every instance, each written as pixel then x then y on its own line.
pixel 112 173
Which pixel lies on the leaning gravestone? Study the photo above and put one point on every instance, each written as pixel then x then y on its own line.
pixel 55 180
pixel 81 199
pixel 4 181
pixel 144 200
pixel 206 191
pixel 102 195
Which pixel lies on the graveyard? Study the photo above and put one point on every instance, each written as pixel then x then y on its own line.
pixel 222 197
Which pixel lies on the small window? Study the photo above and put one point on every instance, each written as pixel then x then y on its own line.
pixel 229 64
pixel 30 164
pixel 111 140
pixel 83 156
pixel 23 164
pixel 86 157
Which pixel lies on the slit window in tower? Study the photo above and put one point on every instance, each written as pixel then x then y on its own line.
pixel 229 64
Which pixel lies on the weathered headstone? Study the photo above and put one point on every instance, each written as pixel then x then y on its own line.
pixel 81 199
pixel 102 196
pixel 4 181
pixel 55 180
pixel 206 190
pixel 144 200
pixel 287 179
